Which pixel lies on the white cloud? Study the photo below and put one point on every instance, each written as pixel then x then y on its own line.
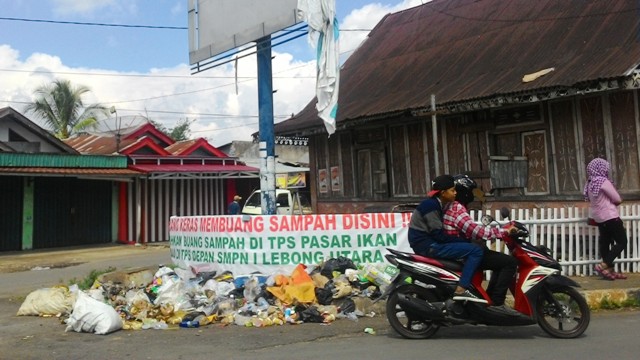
pixel 170 94
pixel 67 7
pixel 178 8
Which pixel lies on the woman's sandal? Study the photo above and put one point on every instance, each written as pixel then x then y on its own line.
pixel 618 275
pixel 607 274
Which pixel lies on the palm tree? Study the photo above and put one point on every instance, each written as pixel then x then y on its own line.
pixel 60 105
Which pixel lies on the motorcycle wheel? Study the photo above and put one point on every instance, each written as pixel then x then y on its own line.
pixel 563 312
pixel 402 322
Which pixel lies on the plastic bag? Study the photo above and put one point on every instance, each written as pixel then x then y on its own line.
pixel 47 301
pixel 251 289
pixel 347 306
pixel 340 264
pixel 379 274
pixel 173 291
pixel 93 316
pixel 324 295
pixel 310 315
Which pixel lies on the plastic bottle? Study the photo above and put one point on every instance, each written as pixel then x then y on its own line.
pixel 189 324
pixel 241 320
pixel 160 325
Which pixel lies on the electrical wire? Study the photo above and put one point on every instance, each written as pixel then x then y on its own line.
pixel 94 24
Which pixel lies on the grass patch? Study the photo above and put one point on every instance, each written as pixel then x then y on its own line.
pixel 607 304
pixel 631 302
pixel 87 282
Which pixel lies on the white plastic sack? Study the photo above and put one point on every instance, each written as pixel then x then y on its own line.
pixel 97 294
pixel 221 288
pixel 136 295
pixel 92 316
pixel 47 301
pixel 173 291
pixel 163 271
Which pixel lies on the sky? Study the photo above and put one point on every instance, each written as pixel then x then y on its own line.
pixel 135 57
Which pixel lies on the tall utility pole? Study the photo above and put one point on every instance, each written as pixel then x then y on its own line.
pixel 267 139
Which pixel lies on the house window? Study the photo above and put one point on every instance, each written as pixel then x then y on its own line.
pixel 508 172
pixel 624 128
pixel 346 161
pixel 593 138
pixel 565 149
pixel 372 173
pixel 399 161
pixel 518 152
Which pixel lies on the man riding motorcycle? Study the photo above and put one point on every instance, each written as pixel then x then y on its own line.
pixel 457 222
pixel 427 238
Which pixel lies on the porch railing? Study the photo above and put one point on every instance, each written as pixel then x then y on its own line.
pixel 572 241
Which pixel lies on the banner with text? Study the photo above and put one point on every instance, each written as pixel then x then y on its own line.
pixel 277 243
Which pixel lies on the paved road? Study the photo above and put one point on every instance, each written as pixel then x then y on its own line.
pixel 21 273
pixel 610 335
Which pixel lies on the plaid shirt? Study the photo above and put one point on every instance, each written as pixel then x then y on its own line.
pixel 457 222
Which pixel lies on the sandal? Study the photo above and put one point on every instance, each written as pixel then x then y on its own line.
pixel 607 274
pixel 620 276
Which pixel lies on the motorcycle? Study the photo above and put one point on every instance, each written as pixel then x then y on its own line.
pixel 419 298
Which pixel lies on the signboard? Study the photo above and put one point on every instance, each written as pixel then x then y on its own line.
pixel 278 243
pixel 221 25
pixel 294 180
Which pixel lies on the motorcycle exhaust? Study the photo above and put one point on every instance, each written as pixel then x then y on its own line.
pixel 420 309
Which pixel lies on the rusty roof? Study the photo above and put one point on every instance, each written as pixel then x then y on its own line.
pixel 179 146
pixel 466 50
pixel 97 144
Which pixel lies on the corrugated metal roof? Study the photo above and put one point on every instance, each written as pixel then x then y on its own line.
pixel 68 171
pixel 180 146
pixel 62 161
pixel 97 144
pixel 461 50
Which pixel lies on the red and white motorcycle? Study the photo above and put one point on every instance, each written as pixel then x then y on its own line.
pixel 419 299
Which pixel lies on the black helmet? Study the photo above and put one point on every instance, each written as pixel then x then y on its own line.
pixel 464 188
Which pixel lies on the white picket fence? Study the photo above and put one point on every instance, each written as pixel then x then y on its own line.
pixel 572 241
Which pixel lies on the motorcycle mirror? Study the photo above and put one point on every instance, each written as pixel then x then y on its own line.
pixel 487 219
pixel 504 212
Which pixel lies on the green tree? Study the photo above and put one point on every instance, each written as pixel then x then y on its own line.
pixel 61 107
pixel 180 132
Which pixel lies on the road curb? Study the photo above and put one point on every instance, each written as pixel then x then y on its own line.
pixel 610 297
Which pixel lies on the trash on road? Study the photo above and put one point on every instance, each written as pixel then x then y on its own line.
pixel 205 295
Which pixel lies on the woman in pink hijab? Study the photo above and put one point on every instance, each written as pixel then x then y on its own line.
pixel 604 200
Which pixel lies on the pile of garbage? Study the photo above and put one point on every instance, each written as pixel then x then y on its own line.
pixel 204 295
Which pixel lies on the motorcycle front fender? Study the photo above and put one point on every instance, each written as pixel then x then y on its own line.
pixel 560 280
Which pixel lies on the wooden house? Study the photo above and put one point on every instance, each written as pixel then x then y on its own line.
pixel 519 94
